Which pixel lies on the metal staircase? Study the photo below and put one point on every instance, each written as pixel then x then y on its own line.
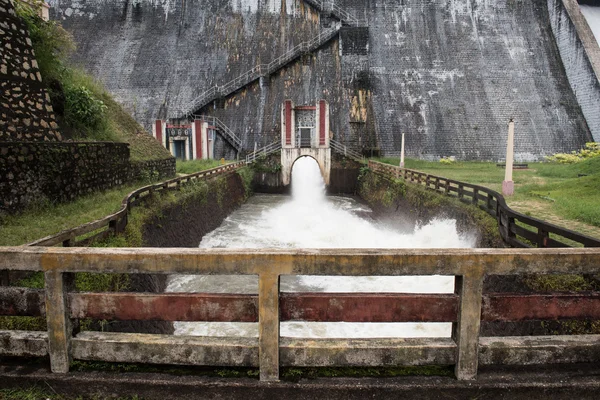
pixel 336 11
pixel 227 133
pixel 260 70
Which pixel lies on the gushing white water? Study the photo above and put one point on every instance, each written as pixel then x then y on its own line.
pixel 309 219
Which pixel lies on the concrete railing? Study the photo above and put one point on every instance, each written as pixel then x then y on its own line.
pixel 116 223
pixel 516 229
pixel 258 71
pixel 466 308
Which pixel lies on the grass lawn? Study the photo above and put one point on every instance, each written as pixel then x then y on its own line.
pixel 552 192
pixel 192 166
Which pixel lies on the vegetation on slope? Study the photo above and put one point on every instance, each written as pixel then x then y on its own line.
pixel 84 109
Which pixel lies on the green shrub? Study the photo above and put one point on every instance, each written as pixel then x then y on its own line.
pixel 82 108
pixel 591 150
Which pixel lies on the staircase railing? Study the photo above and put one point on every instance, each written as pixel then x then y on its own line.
pixel 226 132
pixel 336 11
pixel 260 70
pixel 265 151
pixel 342 149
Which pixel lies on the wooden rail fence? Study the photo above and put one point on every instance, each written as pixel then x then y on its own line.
pixel 516 229
pixel 466 308
pixel 116 223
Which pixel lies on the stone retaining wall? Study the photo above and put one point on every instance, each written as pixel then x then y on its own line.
pixel 34 172
pixel 26 112
pixel 151 169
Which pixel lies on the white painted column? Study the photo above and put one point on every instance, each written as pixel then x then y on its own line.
pixel 508 186
pixel 164 134
pixel 402 153
pixel 204 139
pixel 187 149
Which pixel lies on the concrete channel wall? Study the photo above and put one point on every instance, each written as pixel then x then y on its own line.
pixel 580 55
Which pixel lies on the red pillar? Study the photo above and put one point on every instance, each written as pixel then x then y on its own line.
pixel 198 129
pixel 322 124
pixel 158 128
pixel 288 122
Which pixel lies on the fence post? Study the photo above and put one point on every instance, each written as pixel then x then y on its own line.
pixel 475 196
pixel 466 334
pixel 268 326
pixel 57 317
pixel 542 238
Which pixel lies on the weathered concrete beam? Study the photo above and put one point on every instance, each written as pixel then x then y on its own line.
pixel 268 326
pixel 23 344
pixel 531 350
pixel 351 262
pixel 366 352
pixel 57 318
pixel 166 349
pixel 469 288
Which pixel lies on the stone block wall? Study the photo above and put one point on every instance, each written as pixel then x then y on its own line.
pixel 25 109
pixel 38 172
pixel 151 169
pixel 448 73
pixel 580 55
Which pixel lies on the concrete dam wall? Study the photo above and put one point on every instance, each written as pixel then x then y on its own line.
pixel 448 73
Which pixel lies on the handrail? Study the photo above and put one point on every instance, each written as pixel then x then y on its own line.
pixel 343 149
pixel 336 11
pixel 258 71
pixel 117 222
pixel 227 133
pixel 511 224
pixel 265 151
pixel 465 349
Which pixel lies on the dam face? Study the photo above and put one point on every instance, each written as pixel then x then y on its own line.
pixel 447 73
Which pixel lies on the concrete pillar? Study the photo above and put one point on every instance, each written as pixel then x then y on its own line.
pixel 466 334
pixel 268 326
pixel 402 153
pixel 188 155
pixel 508 186
pixel 211 143
pixel 204 140
pixel 58 320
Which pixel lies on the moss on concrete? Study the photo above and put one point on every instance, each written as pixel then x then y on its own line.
pixel 390 196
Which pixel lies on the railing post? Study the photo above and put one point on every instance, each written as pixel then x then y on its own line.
pixel 475 196
pixel 58 321
pixel 466 334
pixel 543 237
pixel 268 326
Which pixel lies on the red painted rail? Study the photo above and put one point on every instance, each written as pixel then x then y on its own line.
pixel 317 307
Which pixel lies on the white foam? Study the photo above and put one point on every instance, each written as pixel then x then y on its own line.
pixel 309 219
